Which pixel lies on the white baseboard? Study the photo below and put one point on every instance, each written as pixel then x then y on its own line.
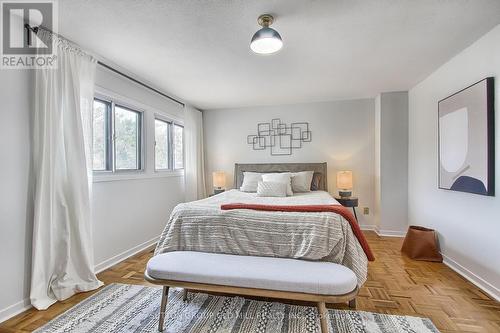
pixel 368 227
pixel 125 254
pixel 478 281
pixel 390 233
pixel 21 306
pixel 386 233
pixel 14 309
pixel 382 232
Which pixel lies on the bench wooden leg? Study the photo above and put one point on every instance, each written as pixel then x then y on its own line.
pixel 352 303
pixel 163 307
pixel 323 317
pixel 185 295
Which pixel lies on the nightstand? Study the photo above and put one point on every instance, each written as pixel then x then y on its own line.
pixel 348 202
pixel 216 192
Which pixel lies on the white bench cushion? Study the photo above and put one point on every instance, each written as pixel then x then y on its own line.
pixel 312 277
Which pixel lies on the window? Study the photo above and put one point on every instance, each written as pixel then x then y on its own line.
pixel 178 147
pixel 117 137
pixel 169 145
pixel 101 133
pixel 162 143
pixel 127 139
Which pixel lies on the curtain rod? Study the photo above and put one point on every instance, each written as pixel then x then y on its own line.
pixel 139 82
pixel 35 30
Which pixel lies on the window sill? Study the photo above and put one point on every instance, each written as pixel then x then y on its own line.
pixel 112 177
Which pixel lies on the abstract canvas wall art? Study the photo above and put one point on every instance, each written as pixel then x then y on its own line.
pixel 467 139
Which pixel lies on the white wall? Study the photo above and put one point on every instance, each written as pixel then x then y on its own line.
pixel 342 135
pixel 468 224
pixel 391 163
pixel 128 214
pixel 15 195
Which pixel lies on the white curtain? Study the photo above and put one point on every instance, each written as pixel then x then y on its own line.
pixel 62 263
pixel 194 170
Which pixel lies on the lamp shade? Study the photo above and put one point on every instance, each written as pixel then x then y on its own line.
pixel 344 180
pixel 266 41
pixel 219 179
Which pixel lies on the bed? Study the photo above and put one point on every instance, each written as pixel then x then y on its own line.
pixel 323 236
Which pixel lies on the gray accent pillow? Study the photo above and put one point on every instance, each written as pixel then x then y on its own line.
pixel 301 181
pixel 316 181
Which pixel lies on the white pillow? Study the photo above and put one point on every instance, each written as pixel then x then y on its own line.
pixel 250 181
pixel 271 189
pixel 284 177
pixel 301 181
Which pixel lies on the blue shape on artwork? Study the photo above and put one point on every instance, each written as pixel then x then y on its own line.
pixel 469 184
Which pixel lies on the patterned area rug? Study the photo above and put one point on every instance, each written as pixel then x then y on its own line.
pixel 132 308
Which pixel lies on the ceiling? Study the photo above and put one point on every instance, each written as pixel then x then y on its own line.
pixel 333 49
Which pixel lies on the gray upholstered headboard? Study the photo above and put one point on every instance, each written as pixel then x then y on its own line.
pixel 281 167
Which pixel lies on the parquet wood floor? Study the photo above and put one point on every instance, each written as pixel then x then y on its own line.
pixel 396 285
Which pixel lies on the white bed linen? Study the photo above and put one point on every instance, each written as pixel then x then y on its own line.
pixel 235 196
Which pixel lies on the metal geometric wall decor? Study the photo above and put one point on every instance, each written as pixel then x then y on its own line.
pixel 279 137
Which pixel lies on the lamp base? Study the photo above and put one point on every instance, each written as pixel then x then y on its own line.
pixel 345 194
pixel 218 190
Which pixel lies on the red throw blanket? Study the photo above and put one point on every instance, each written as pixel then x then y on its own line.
pixel 341 210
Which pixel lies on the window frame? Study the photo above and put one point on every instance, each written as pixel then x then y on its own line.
pixel 171 159
pixel 169 123
pixel 108 135
pixel 140 137
pixel 183 147
pixel 111 137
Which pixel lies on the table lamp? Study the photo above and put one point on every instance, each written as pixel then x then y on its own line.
pixel 344 183
pixel 219 181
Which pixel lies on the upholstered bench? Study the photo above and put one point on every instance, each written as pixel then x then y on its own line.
pixel 292 279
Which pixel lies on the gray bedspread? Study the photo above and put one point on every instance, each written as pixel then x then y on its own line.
pixel 202 226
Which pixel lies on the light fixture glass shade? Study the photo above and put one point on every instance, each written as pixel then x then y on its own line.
pixel 344 180
pixel 266 41
pixel 219 179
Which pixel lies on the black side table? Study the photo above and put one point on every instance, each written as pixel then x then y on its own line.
pixel 216 192
pixel 348 202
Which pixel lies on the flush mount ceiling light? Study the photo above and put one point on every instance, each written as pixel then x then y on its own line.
pixel 266 40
